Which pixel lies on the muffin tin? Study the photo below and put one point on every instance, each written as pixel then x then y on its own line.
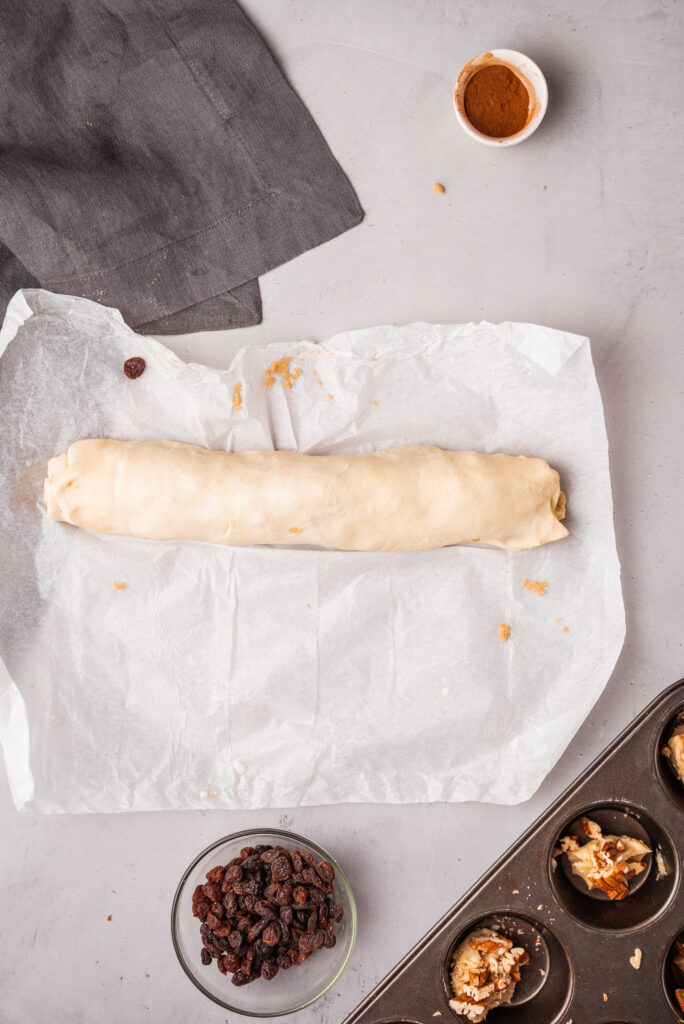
pixel 579 941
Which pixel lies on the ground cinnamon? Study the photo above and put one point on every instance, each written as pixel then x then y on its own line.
pixel 496 101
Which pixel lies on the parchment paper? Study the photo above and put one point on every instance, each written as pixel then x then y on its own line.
pixel 276 677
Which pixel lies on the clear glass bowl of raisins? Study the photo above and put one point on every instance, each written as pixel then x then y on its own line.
pixel 264 922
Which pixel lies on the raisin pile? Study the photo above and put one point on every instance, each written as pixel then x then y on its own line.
pixel 266 911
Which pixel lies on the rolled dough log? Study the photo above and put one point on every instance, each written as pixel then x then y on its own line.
pixel 403 499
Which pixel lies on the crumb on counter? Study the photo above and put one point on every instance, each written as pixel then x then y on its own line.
pixel 438 187
pixel 296 529
pixel 210 794
pixel 538 586
pixel 504 632
pixel 108 917
pixel 281 368
pixel 566 629
pixel 330 397
pixel 237 397
pixel 119 585
pixel 543 188
pixel 374 403
pixel 635 960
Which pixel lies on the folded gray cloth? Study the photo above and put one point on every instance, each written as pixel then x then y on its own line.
pixel 154 158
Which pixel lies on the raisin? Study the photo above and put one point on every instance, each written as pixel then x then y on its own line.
pixel 317 939
pixel 221 964
pixel 224 930
pixel 205 956
pixel 286 915
pixel 308 858
pixel 326 871
pixel 261 850
pixel 233 874
pixel 239 978
pixel 235 940
pixel 212 891
pixel 263 909
pixel 216 874
pixel 248 903
pixel 201 909
pixel 218 910
pixel 329 939
pixel 248 887
pixel 198 894
pixel 269 969
pixel 306 943
pixel 312 923
pixel 281 869
pixel 134 367
pixel 309 875
pixel 297 862
pixel 283 895
pixel 246 851
pixel 256 930
pixel 231 962
pixel 272 934
pixel 230 902
pixel 213 921
pixel 251 862
pixel 299 894
pixel 336 912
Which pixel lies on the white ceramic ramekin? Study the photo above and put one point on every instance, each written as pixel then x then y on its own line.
pixel 533 79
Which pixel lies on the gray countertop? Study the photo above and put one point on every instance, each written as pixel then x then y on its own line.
pixel 579 228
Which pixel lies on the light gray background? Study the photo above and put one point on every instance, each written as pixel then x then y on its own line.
pixel 598 252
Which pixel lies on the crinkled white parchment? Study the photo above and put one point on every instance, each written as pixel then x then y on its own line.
pixel 275 677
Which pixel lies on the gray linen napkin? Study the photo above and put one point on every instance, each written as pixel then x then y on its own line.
pixel 154 158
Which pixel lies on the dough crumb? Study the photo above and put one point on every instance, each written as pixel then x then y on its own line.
pixel 237 397
pixel 330 397
pixel 438 187
pixel 605 998
pixel 635 960
pixel 119 585
pixel 504 632
pixel 374 403
pixel 281 368
pixel 543 188
pixel 210 794
pixel 538 586
pixel 296 529
pixel 565 629
pixel 108 917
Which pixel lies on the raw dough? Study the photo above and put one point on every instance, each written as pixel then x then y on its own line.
pixel 484 972
pixel 403 499
pixel 607 863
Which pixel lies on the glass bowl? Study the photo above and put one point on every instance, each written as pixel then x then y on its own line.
pixel 290 990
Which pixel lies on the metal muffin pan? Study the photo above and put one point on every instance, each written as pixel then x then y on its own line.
pixel 580 943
